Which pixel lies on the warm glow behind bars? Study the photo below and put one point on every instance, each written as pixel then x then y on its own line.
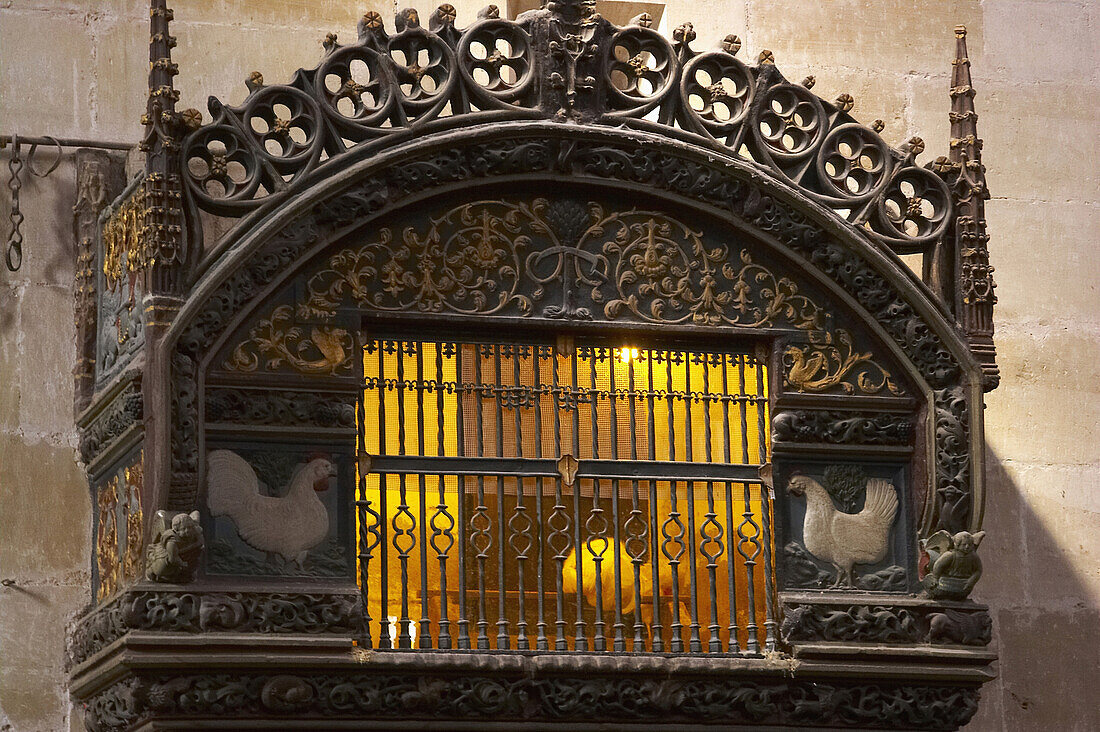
pixel 622 397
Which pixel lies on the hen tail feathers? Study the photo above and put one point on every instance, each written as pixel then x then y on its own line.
pixel 230 482
pixel 881 503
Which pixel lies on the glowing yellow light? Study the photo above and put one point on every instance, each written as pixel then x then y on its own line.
pixel 627 354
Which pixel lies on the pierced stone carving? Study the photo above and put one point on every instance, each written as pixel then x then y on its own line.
pixel 276 340
pixel 953 564
pixel 805 622
pixel 125 410
pixel 173 553
pixel 204 612
pixel 825 364
pixel 285 408
pixel 845 539
pixel 842 428
pixel 551 699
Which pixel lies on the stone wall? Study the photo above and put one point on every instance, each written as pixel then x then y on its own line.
pixel 78 69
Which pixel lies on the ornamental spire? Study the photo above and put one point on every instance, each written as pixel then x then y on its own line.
pixel 974 298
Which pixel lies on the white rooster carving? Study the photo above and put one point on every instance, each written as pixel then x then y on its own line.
pixel 847 539
pixel 287 526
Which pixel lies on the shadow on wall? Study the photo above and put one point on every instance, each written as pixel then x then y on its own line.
pixel 1045 615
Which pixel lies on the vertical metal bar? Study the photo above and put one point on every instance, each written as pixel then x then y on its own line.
pixel 480 538
pixel 559 511
pixel 657 642
pixel 541 643
pixel 635 523
pixel 753 645
pixel 676 642
pixel 444 547
pixel 362 505
pixel 766 514
pixel 384 640
pixel 523 544
pixel 734 643
pixel 424 639
pixel 580 642
pixel 619 644
pixel 695 644
pixel 502 619
pixel 713 540
pixel 460 449
pixel 595 516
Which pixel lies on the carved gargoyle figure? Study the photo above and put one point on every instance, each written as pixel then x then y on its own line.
pixel 953 564
pixel 173 554
pixel 846 539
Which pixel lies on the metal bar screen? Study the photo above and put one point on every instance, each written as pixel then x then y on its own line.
pixel 589 498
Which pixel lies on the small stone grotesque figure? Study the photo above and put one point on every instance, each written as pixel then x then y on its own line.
pixel 173 554
pixel 953 564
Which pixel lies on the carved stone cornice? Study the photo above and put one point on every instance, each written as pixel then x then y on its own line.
pixel 543 700
pixel 842 428
pixel 887 620
pixel 207 611
pixel 123 412
pixel 234 405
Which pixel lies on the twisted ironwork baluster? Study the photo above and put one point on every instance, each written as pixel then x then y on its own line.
pixel 558 522
pixel 453 350
pixel 520 522
pixel 635 525
pixel 765 511
pixel 480 523
pixel 694 643
pixel 369 533
pixel 619 643
pixel 541 643
pixel 442 522
pixel 580 642
pixel 424 637
pixel 734 644
pixel 711 530
pixel 657 628
pixel 503 641
pixel 596 524
pixel 747 540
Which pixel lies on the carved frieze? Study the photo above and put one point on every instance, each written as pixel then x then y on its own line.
pixel 842 428
pixel 285 408
pixel 894 624
pixel 124 411
pixel 205 612
pixel 334 696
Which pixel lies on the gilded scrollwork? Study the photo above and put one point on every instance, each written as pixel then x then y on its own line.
pixel 135 521
pixel 277 340
pixel 469 260
pixel 502 257
pixel 107 560
pixel 833 360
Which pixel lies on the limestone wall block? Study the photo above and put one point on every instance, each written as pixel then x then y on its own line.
pixel 1024 40
pixel 46 362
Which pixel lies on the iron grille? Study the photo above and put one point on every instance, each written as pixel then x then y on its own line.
pixel 484 466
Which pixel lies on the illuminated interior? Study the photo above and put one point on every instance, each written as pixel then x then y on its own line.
pixel 539 448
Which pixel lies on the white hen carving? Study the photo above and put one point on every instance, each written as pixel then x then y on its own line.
pixel 288 525
pixel 846 539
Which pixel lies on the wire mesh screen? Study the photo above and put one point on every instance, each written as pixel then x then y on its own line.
pixel 588 498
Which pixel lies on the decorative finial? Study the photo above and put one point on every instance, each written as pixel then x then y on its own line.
pixel 809 82
pixel 330 42
pixel 684 33
pixel 766 57
pixel 878 125
pixel 489 12
pixel 845 102
pixel 642 20
pixel 731 44
pixel 915 146
pixel 960 31
pixel 254 81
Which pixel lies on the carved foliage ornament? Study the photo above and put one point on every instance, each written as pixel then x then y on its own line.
pixel 560 259
pixel 555 699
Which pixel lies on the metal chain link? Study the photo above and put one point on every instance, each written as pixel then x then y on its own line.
pixel 13 256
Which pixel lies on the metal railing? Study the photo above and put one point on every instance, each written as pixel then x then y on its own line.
pixel 541 497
